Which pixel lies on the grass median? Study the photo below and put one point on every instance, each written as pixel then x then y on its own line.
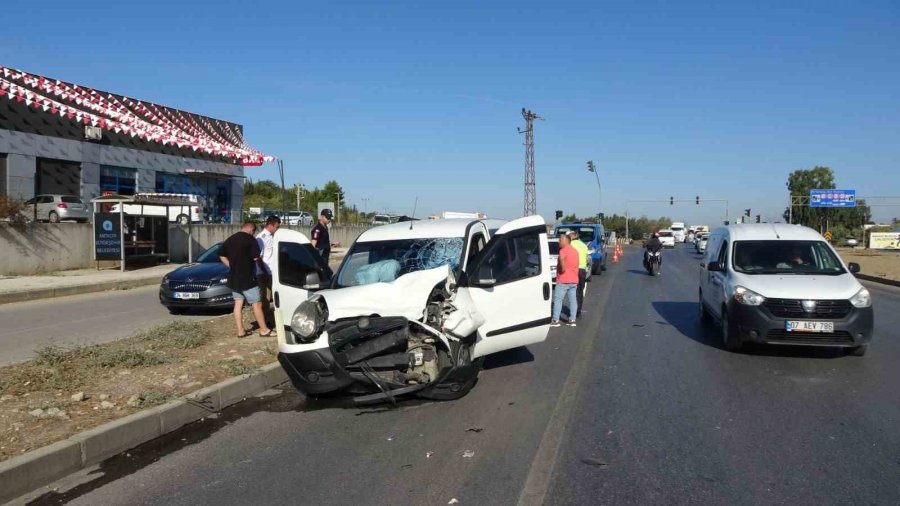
pixel 65 390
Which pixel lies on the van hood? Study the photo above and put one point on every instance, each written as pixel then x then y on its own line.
pixel 405 296
pixel 793 286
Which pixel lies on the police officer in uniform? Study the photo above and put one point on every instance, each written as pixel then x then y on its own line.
pixel 319 236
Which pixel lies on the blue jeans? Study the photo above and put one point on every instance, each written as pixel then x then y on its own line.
pixel 562 290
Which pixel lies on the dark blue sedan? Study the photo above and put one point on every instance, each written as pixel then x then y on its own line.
pixel 200 285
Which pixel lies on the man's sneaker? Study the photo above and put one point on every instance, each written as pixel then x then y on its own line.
pixel 571 324
pixel 554 324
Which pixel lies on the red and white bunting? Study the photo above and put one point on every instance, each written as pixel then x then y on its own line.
pixel 134 118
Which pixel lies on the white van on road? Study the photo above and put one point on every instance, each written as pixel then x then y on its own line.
pixel 783 284
pixel 679 231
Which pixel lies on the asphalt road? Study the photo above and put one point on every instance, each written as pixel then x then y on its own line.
pixel 88 318
pixel 638 405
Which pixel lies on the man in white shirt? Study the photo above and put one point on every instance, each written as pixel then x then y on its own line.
pixel 266 241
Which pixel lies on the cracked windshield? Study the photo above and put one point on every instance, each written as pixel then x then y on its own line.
pixel 385 261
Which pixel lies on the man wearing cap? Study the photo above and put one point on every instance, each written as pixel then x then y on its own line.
pixel 582 250
pixel 319 236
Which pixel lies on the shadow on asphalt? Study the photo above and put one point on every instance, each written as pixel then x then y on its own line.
pixel 685 318
pixel 514 356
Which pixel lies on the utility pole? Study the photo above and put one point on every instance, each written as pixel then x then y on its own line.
pixel 365 209
pixel 530 190
pixel 298 196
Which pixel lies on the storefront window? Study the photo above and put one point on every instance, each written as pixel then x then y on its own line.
pixel 119 180
pixel 214 193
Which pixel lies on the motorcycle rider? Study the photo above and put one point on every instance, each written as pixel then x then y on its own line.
pixel 652 246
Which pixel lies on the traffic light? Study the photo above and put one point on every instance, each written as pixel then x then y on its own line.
pixel 601 216
pixel 671 201
pixel 758 218
pixel 747 213
pixel 559 214
pixel 697 201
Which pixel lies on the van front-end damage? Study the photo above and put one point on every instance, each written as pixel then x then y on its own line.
pixel 383 355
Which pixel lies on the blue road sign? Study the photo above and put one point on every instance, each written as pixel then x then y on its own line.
pixel 832 198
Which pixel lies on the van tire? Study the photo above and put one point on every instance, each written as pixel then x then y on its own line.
pixel 730 338
pixel 54 218
pixel 182 219
pixel 859 351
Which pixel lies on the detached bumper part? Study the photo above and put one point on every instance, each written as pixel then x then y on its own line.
pixel 315 372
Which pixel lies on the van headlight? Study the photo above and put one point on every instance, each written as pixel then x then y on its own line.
pixel 862 298
pixel 748 297
pixel 308 319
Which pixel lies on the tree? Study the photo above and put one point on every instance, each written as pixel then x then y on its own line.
pixel 799 184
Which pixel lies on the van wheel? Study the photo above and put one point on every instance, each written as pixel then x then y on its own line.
pixel 730 338
pixel 182 219
pixel 54 218
pixel 859 351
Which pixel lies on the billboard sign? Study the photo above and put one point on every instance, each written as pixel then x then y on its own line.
pixel 832 198
pixel 884 240
pixel 107 236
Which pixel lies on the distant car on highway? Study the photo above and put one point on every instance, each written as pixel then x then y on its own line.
pixel 381 219
pixel 592 234
pixel 852 242
pixel 55 208
pixel 678 231
pixel 783 284
pixel 700 241
pixel 197 285
pixel 667 238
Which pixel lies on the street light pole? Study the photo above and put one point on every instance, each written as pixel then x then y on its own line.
pixel 593 168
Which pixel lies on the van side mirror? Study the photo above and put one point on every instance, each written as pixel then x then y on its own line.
pixel 714 267
pixel 485 276
pixel 312 281
pixel 854 267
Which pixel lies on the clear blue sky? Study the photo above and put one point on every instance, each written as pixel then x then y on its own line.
pixel 403 99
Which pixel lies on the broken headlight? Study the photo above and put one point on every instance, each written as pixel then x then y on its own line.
pixel 308 319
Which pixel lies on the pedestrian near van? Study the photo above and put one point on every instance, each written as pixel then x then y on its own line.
pixel 582 250
pixel 241 254
pixel 566 282
pixel 319 237
pixel 266 241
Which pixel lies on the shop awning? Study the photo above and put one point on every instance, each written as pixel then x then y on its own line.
pixel 127 116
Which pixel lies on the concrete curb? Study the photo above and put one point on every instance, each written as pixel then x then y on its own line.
pixel 49 293
pixel 875 279
pixel 28 472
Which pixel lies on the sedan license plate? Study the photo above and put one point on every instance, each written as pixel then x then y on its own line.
pixel 804 326
pixel 187 295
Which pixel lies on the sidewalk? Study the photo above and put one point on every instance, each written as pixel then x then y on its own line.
pixel 75 282
pixel 59 284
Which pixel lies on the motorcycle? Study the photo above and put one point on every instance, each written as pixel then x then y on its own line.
pixel 653 262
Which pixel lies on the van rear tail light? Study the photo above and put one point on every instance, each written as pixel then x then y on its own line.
pixel 62 205
pixel 196 210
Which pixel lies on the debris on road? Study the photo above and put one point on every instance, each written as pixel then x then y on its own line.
pixel 428 455
pixel 391 437
pixel 453 501
pixel 468 454
pixel 475 429
pixel 594 462
pixel 637 325
pixel 79 397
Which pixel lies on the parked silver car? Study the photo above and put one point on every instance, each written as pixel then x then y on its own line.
pixel 55 208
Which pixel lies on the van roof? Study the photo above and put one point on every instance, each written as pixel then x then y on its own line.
pixel 770 232
pixel 423 229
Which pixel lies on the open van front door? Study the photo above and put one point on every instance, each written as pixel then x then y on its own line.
pixel 297 270
pixel 510 286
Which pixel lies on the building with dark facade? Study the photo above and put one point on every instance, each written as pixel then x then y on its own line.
pixel 61 138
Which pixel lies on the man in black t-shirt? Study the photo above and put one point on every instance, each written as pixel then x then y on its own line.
pixel 241 254
pixel 319 236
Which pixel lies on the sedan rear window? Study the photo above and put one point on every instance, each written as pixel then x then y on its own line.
pixel 71 200
pixel 786 257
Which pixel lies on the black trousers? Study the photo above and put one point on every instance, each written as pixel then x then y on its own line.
pixel 579 295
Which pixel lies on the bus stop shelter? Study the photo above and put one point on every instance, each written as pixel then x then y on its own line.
pixel 120 235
